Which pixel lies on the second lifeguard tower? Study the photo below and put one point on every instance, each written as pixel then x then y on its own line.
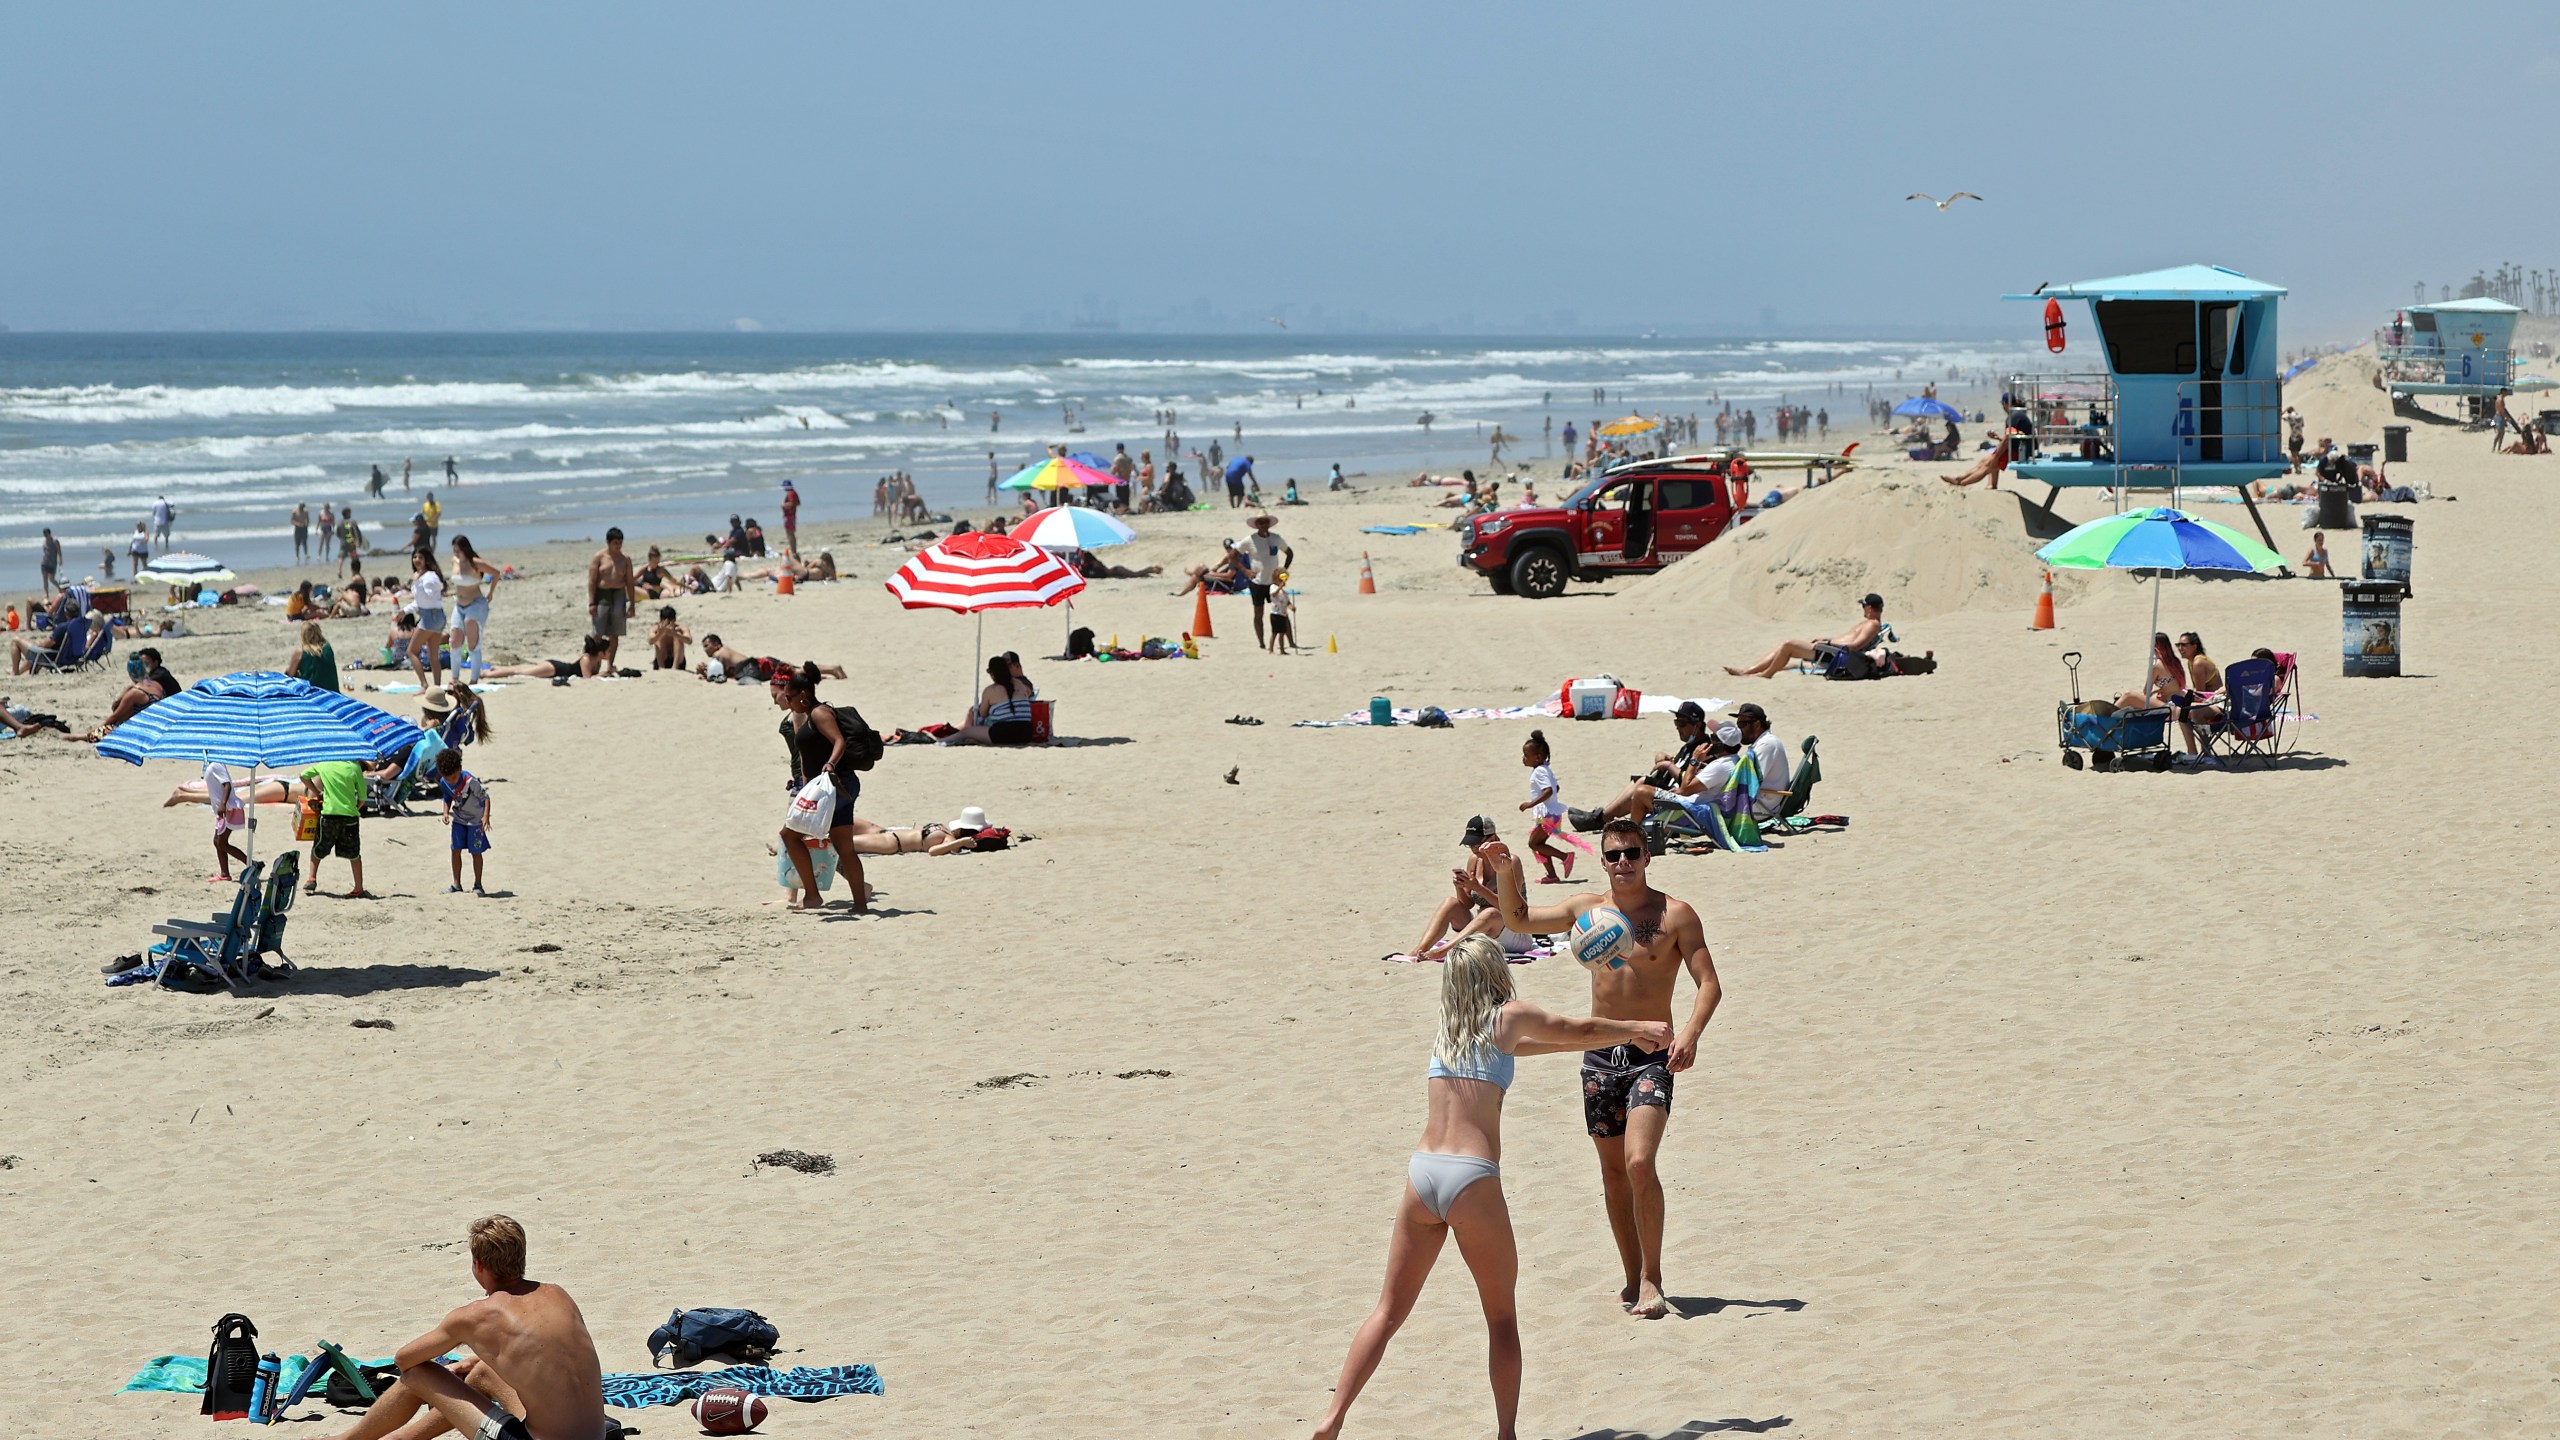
pixel 2190 392
pixel 2460 347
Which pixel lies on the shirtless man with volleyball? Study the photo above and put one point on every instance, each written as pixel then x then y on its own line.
pixel 1626 1091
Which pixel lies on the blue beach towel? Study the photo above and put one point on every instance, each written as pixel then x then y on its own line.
pixel 184 1374
pixel 803 1382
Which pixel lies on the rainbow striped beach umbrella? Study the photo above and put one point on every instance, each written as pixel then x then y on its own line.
pixel 1056 473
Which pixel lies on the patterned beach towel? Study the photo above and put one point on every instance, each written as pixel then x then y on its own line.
pixel 804 1382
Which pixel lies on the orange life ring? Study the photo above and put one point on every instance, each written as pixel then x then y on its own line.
pixel 2053 326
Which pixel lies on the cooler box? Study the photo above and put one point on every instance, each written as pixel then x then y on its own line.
pixel 1590 699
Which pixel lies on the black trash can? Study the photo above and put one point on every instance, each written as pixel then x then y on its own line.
pixel 2395 444
pixel 2362 454
pixel 2389 542
pixel 2337 506
pixel 2371 628
pixel 2550 422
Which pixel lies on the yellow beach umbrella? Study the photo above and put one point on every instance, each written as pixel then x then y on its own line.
pixel 1626 425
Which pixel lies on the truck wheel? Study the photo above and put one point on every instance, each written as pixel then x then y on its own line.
pixel 1538 573
pixel 1500 580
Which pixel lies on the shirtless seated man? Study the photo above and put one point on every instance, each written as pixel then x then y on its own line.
pixel 1226 577
pixel 534 1375
pixel 1861 636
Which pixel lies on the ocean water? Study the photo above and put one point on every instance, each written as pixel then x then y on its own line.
pixel 559 436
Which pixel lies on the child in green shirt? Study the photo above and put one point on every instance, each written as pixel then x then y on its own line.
pixel 339 787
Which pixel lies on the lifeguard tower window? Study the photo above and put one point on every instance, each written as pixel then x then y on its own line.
pixel 2149 337
pixel 2423 323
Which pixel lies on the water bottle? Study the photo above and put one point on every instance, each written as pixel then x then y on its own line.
pixel 262 1392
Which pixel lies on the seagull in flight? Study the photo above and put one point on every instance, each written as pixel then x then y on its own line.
pixel 1276 320
pixel 1943 204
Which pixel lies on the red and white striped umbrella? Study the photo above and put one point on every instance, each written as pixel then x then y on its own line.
pixel 978 571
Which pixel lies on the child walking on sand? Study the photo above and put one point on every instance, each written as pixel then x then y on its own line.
pixel 230 813
pixel 1283 632
pixel 1545 806
pixel 466 804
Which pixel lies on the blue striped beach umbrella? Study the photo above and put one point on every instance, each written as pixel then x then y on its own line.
pixel 256 718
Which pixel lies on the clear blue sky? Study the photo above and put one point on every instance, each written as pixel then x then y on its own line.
pixel 949 165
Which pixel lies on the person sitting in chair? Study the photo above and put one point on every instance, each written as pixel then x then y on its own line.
pixel 1002 715
pixel 1228 575
pixel 1859 637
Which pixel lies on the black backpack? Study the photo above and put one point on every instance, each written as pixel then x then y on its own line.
pixel 230 1368
pixel 692 1334
pixel 862 744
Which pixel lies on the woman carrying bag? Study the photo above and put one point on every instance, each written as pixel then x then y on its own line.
pixel 820 752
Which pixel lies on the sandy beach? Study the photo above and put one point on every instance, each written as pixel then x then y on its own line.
pixel 2041 1102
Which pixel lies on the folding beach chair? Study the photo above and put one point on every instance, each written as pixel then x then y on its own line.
pixel 1791 818
pixel 391 797
pixel 281 891
pixel 2257 698
pixel 221 949
pixel 70 651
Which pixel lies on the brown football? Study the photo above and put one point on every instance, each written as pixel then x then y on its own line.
pixel 728 1412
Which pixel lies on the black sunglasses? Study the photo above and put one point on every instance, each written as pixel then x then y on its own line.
pixel 1623 857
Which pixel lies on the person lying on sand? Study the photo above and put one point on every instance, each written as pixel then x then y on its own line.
pixel 1092 568
pixel 804 572
pixel 1228 575
pixel 534 1374
pixel 1861 636
pixel 589 664
pixel 719 662
pixel 968 832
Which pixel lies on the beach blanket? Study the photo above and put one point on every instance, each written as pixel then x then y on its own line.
pixel 803 1382
pixel 184 1374
pixel 1543 710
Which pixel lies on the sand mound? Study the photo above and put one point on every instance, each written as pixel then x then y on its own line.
pixel 1928 548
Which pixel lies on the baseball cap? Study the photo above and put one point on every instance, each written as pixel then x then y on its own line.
pixel 1729 735
pixel 1751 712
pixel 1690 710
pixel 1873 599
pixel 1479 830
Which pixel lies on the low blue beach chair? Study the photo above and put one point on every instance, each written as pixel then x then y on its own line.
pixel 2254 694
pixel 224 949
pixel 78 645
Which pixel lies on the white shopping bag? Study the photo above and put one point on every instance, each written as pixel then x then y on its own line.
pixel 812 808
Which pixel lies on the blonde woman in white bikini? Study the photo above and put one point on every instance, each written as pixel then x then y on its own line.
pixel 1454 1182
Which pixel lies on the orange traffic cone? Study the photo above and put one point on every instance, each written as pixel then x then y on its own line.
pixel 2044 606
pixel 783 585
pixel 1368 582
pixel 1200 615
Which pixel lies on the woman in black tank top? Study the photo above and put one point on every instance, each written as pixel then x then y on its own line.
pixel 819 746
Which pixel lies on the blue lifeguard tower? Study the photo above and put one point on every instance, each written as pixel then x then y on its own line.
pixel 2190 394
pixel 2461 347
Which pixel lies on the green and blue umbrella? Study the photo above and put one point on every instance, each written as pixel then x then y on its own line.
pixel 2156 539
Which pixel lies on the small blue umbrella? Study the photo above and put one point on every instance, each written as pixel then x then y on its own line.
pixel 1089 460
pixel 259 718
pixel 256 718
pixel 1923 405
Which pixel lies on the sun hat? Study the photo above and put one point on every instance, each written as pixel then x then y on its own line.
pixel 970 818
pixel 436 698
